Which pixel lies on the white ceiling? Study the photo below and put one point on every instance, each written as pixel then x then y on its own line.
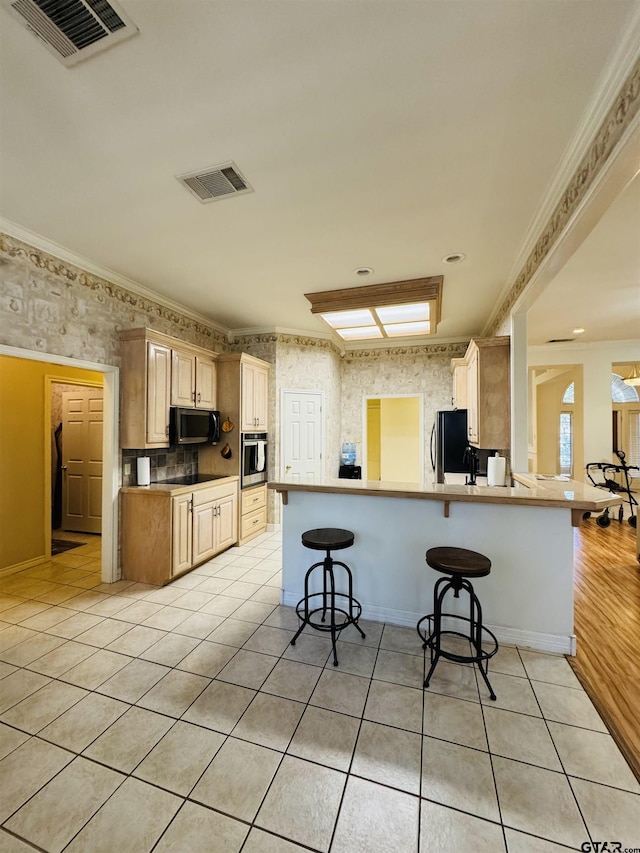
pixel 381 133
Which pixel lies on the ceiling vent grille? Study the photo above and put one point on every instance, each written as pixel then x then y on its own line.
pixel 73 29
pixel 216 183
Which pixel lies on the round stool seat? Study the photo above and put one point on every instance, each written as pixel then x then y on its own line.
pixel 327 539
pixel 458 562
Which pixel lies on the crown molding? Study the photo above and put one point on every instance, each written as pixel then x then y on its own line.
pixel 67 256
pixel 619 125
pixel 609 89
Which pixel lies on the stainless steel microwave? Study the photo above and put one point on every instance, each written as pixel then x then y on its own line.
pixel 193 426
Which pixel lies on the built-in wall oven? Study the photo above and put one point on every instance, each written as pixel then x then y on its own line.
pixel 253 469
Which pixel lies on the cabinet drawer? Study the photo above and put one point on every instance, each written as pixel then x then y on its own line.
pixel 213 493
pixel 253 522
pixel 253 499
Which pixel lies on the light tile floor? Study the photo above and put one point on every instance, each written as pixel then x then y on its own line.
pixel 181 719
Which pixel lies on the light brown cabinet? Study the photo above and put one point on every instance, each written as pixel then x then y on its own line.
pixel 193 380
pixel 254 380
pixel 168 531
pixel 243 393
pixel 488 392
pixel 159 371
pixel 459 385
pixel 253 512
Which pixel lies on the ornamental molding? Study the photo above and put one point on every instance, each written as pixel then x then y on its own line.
pixel 616 122
pixel 12 248
pixel 451 350
pixel 284 339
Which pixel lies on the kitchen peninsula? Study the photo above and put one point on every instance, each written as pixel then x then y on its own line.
pixel 526 531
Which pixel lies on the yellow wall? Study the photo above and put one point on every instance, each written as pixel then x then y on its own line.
pixel 22 454
pixel 400 439
pixel 373 439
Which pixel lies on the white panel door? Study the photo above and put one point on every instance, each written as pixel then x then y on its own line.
pixel 302 435
pixel 82 413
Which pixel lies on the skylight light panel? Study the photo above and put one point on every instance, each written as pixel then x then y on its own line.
pixel 344 319
pixel 396 330
pixel 359 333
pixel 403 313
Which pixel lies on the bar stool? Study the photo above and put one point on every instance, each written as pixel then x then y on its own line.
pixel 328 539
pixel 458 564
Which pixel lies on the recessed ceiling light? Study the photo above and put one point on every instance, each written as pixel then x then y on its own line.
pixel 577 331
pixel 363 271
pixel 454 258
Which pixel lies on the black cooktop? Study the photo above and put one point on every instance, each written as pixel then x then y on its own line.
pixel 191 479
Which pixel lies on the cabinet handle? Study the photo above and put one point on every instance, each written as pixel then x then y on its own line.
pixel 166 430
pixel 199 397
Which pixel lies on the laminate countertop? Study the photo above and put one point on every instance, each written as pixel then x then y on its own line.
pixel 526 491
pixel 176 488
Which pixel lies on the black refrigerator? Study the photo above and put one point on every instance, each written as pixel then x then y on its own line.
pixel 448 443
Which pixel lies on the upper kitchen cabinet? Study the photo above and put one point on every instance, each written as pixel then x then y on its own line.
pixel 459 390
pixel 154 367
pixel 193 380
pixel 243 382
pixel 488 392
pixel 254 381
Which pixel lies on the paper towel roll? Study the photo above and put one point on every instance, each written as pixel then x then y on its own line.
pixel 496 470
pixel 144 470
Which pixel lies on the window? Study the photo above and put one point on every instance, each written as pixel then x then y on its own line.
pixel 566 443
pixel 569 394
pixel 621 392
pixel 633 443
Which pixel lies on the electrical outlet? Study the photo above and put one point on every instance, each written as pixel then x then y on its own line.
pixel 127 468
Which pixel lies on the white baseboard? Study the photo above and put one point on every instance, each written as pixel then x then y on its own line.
pixel 559 644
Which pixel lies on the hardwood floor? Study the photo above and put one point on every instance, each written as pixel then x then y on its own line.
pixel 607 626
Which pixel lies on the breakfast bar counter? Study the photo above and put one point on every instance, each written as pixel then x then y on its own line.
pixel 525 530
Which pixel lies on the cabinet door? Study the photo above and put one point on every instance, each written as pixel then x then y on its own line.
pixel 183 379
pixel 260 398
pixel 182 527
pixel 472 398
pixel 459 396
pixel 227 522
pixel 248 376
pixel 205 383
pixel 204 530
pixel 158 394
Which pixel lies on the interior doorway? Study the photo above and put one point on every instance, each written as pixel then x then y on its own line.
pixel 111 453
pixel 393 438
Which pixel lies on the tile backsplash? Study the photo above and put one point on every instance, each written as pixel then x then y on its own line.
pixel 166 463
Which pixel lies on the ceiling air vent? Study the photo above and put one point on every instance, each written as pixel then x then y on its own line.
pixel 215 183
pixel 560 340
pixel 73 29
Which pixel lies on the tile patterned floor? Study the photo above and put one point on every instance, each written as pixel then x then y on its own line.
pixel 180 719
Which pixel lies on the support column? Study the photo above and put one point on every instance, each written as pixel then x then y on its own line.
pixel 519 394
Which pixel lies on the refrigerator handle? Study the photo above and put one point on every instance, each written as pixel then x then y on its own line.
pixel 432 447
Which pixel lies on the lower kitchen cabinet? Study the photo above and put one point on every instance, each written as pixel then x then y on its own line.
pixel 253 512
pixel 167 530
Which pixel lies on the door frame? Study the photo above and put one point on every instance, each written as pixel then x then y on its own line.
pixel 420 397
pixel 110 449
pixel 50 380
pixel 281 443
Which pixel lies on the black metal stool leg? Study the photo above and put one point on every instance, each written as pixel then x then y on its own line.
pixel 341 608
